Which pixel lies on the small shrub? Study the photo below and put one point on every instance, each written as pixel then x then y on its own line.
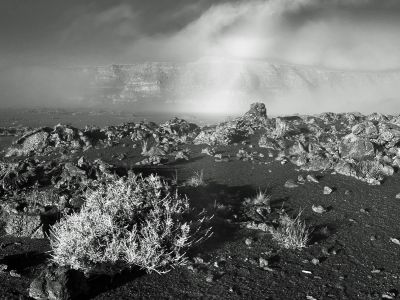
pixel 132 222
pixel 196 180
pixel 258 207
pixel 260 199
pixel 291 233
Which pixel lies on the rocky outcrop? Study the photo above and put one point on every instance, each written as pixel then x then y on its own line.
pixel 237 130
pixel 46 139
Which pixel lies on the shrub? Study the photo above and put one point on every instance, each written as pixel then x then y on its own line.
pixel 132 222
pixel 260 199
pixel 258 207
pixel 291 233
pixel 196 180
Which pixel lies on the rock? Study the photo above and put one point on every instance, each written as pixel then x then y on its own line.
pixel 395 241
pixel 312 178
pixel 223 134
pixel 244 155
pixel 290 184
pixel 36 140
pixel 318 209
pixel 209 278
pixel 14 273
pixel 248 241
pixel 354 147
pixel 327 190
pixel 315 261
pixel 269 143
pixel 398 196
pixel 257 110
pixel 208 151
pixel 281 128
pixel 365 129
pixel 301 179
pixel 59 283
pixel 263 263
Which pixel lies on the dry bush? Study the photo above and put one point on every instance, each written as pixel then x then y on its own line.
pixel 132 222
pixel 291 233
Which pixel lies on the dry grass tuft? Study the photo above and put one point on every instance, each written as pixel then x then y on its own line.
pixel 291 233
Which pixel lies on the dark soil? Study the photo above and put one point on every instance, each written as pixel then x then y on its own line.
pixel 352 240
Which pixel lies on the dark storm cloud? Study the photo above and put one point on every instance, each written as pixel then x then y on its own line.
pixel 335 33
pixel 92 31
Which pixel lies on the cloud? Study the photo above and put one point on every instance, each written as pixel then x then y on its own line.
pixel 336 34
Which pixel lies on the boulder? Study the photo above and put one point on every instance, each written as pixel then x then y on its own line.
pixel 354 147
pixel 365 129
pixel 36 140
pixel 59 283
pixel 257 111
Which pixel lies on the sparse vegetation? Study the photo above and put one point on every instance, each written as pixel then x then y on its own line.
pixel 197 179
pixel 132 222
pixel 262 198
pixel 144 147
pixel 291 233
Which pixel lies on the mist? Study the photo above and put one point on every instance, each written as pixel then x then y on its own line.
pixel 358 35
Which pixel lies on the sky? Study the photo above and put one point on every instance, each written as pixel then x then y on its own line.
pixel 337 34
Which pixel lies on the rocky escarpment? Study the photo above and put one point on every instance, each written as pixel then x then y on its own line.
pixel 242 80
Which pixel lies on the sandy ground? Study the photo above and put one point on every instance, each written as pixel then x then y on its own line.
pixel 356 258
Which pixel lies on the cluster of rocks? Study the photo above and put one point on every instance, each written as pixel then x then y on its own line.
pixel 365 147
pixel 45 139
pixel 35 193
pixel 13 131
pixel 159 143
pixel 237 130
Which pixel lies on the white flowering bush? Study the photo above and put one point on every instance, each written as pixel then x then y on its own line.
pixel 132 222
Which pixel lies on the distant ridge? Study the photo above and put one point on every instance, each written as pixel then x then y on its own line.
pixel 243 80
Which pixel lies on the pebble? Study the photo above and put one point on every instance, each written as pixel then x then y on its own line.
pixel 395 241
pixel 327 190
pixel 315 261
pixel 248 241
pixel 312 178
pixel 376 271
pixel 263 262
pixel 14 273
pixel 300 179
pixel 318 209
pixel 210 278
pixel 290 184
pixel 398 196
